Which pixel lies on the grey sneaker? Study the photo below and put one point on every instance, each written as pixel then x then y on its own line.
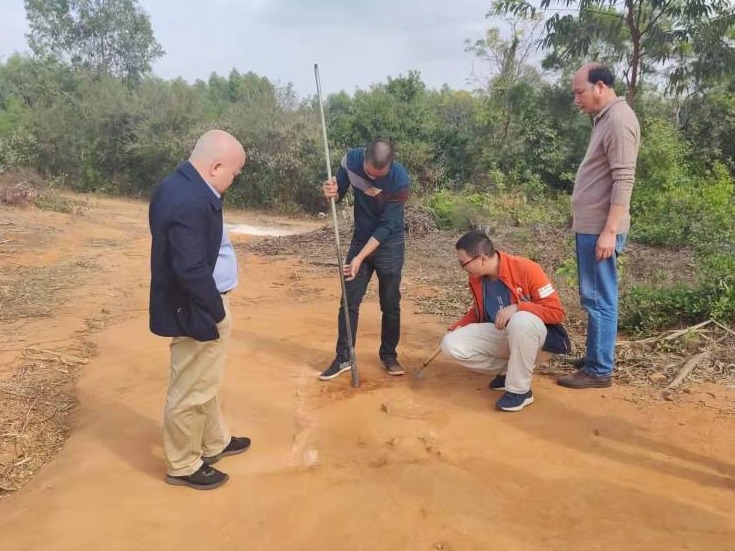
pixel 335 370
pixel 392 366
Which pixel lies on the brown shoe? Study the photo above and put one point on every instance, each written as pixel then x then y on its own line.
pixel 576 362
pixel 392 366
pixel 579 379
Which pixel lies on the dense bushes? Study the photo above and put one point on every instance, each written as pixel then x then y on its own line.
pixel 649 308
pixel 679 201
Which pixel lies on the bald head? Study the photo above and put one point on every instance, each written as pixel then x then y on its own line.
pixel 593 88
pixel 379 154
pixel 218 158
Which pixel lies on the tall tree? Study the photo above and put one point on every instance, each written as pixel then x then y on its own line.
pixel 688 39
pixel 110 36
pixel 508 63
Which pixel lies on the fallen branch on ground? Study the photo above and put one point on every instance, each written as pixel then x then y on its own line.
pixel 680 332
pixel 676 333
pixel 688 367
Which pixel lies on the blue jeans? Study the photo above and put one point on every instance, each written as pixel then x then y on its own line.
pixel 598 292
pixel 387 263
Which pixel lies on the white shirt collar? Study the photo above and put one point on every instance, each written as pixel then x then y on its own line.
pixel 217 193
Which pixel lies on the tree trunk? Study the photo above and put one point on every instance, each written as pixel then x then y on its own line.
pixel 635 60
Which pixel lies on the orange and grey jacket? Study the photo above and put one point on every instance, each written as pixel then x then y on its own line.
pixel 531 290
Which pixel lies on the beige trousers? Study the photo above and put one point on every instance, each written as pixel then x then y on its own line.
pixel 512 351
pixel 192 421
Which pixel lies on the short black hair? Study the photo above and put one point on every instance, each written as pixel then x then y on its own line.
pixel 600 73
pixel 379 153
pixel 476 242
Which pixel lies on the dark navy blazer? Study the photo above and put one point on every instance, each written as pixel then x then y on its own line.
pixel 185 219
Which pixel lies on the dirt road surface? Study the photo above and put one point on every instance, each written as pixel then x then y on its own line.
pixel 400 464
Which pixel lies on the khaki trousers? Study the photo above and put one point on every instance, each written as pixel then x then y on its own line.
pixel 512 351
pixel 192 421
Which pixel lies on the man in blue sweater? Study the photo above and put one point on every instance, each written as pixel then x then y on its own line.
pixel 380 188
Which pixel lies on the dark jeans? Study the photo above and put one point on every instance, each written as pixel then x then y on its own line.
pixel 387 263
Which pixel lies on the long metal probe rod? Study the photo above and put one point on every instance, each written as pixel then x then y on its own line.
pixel 340 263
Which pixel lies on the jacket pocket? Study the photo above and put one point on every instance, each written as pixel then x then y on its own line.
pixel 557 339
pixel 197 323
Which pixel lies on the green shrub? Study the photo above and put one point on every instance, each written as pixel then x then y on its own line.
pixel 453 210
pixel 461 211
pixel 18 150
pixel 649 308
pixel 567 273
pixel 11 115
pixel 675 202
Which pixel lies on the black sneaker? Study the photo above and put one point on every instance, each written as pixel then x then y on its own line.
pixel 206 478
pixel 392 366
pixel 498 383
pixel 238 444
pixel 514 402
pixel 335 370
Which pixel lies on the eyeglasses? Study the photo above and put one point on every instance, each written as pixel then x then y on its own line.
pixel 464 264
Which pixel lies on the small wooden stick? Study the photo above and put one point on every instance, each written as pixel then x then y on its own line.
pixel 434 354
pixel 430 359
pixel 725 327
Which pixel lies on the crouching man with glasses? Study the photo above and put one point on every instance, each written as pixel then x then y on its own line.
pixel 516 314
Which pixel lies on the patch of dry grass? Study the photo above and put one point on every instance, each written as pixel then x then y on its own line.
pixel 53 200
pixel 24 188
pixel 27 292
pixel 19 195
pixel 36 399
pixel 39 392
pixel 20 188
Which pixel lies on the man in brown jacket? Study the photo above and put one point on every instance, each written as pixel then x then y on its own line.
pixel 601 213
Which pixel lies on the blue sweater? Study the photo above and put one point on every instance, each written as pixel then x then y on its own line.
pixel 380 216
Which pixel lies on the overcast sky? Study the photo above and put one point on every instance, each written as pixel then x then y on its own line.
pixel 356 43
